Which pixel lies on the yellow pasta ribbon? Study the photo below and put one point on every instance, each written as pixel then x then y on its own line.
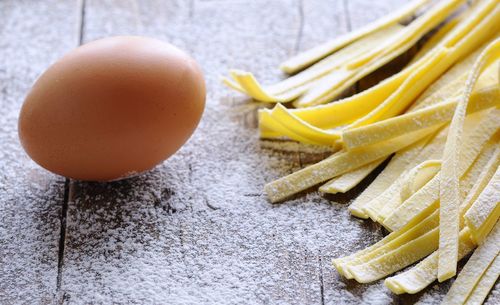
pixel 423 118
pixel 342 163
pixel 348 181
pixel 466 37
pixel 482 127
pixel 472 272
pixel 425 272
pixel 305 59
pixel 484 213
pixel 294 86
pixel 449 176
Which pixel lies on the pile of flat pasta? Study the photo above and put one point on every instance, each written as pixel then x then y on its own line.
pixel 438 118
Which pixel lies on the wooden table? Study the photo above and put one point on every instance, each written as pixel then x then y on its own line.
pixel 197 229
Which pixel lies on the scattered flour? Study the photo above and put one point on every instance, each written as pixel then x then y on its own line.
pixel 197 229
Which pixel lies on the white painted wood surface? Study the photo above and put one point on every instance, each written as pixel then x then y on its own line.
pixel 197 229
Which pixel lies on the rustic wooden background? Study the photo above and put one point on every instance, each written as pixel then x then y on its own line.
pixel 197 229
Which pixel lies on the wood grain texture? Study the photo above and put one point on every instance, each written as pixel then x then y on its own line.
pixel 358 13
pixel 197 229
pixel 32 35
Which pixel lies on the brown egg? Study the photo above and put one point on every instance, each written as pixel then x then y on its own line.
pixel 112 108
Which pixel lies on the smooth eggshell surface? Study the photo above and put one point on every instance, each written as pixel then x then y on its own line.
pixel 112 108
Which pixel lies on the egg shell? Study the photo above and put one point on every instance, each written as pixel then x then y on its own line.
pixel 112 108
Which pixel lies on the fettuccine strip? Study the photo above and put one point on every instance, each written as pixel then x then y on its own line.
pixel 449 176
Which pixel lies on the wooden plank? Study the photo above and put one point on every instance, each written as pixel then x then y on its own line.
pixel 320 22
pixel 359 13
pixel 33 34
